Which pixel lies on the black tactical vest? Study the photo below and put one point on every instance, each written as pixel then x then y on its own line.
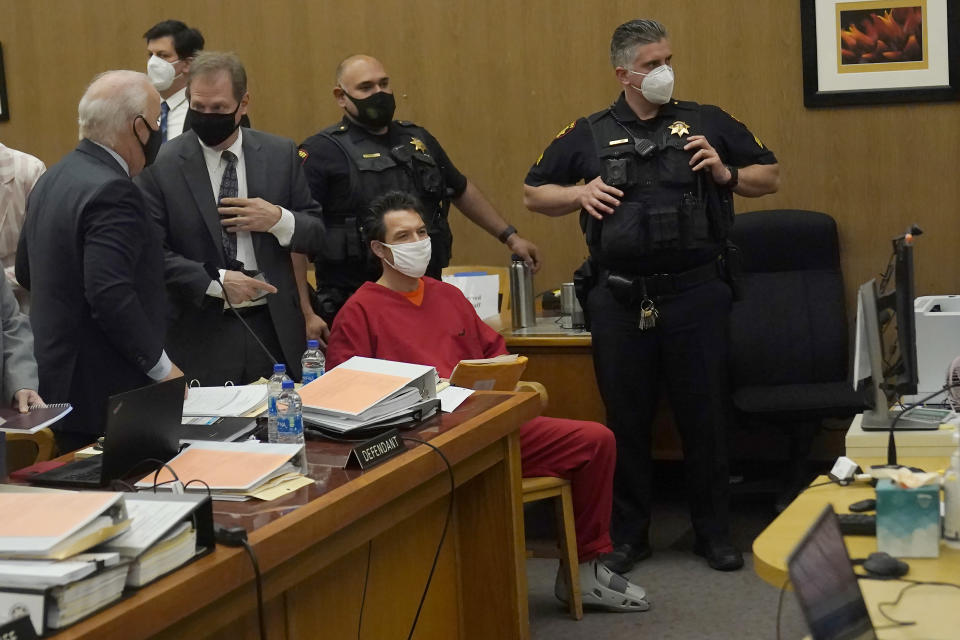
pixel 376 169
pixel 666 206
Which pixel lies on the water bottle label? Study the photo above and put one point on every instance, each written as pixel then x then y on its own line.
pixel 309 375
pixel 298 423
pixel 284 425
pixel 272 405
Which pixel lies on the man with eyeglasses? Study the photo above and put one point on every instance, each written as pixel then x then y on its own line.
pixel 367 154
pixel 93 261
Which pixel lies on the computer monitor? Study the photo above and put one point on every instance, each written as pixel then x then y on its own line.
pixel 826 586
pixel 890 335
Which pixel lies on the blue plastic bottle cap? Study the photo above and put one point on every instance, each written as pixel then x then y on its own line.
pixel 279 368
pixel 313 344
pixel 287 384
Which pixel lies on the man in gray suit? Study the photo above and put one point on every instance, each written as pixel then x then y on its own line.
pixel 18 383
pixel 232 203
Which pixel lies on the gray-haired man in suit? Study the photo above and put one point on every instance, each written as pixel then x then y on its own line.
pixel 232 205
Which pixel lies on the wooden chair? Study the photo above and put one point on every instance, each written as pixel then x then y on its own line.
pixel 25 449
pixel 503 272
pixel 557 490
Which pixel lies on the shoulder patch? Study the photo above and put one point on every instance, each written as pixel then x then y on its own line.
pixel 303 154
pixel 566 130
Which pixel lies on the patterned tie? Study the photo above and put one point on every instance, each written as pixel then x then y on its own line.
pixel 229 189
pixel 164 110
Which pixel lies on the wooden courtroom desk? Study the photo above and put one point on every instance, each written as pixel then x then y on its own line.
pixel 312 547
pixel 936 609
pixel 562 361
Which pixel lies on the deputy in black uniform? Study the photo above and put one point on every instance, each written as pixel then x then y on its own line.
pixel 367 154
pixel 655 206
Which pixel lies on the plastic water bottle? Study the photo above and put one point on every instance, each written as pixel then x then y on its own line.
pixel 274 386
pixel 951 498
pixel 313 362
pixel 289 415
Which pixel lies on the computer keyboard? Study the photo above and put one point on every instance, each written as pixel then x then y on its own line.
pixel 857 524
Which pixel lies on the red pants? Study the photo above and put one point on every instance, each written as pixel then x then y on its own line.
pixel 585 454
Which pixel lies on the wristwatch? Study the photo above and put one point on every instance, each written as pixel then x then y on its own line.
pixel 506 233
pixel 734 176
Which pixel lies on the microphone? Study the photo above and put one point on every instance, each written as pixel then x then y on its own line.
pixel 214 273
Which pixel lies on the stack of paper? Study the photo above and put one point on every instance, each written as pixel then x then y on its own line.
pixel 161 537
pixel 232 470
pixel 230 401
pixel 365 392
pixel 56 525
pixel 79 599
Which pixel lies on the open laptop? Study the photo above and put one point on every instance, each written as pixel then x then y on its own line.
pixel 826 586
pixel 141 425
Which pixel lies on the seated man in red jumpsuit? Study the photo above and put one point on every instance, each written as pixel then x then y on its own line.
pixel 407 317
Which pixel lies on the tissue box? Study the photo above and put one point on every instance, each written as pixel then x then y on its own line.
pixel 908 520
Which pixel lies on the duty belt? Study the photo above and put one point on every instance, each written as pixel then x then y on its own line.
pixel 660 284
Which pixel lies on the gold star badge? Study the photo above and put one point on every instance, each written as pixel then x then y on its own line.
pixel 418 145
pixel 680 128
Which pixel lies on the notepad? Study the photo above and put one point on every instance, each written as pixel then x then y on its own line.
pixel 224 401
pixel 39 417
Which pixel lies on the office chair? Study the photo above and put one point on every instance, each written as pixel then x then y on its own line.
pixel 788 332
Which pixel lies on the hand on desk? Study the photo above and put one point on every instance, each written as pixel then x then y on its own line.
pixel 242 288
pixel 26 398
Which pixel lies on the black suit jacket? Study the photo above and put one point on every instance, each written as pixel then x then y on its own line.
pixel 93 261
pixel 178 194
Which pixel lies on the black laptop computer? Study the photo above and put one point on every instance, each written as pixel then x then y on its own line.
pixel 141 425
pixel 826 586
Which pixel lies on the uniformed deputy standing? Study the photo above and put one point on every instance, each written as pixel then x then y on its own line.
pixel 655 205
pixel 368 154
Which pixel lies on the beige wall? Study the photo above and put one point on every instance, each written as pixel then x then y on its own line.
pixel 494 80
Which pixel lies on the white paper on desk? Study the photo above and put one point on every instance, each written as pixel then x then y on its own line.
pixel 483 292
pixel 224 401
pixel 452 397
pixel 861 350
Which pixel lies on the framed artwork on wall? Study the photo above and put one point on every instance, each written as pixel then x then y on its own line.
pixel 879 51
pixel 4 108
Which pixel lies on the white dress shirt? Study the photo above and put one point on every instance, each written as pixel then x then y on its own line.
pixel 177 114
pixel 282 230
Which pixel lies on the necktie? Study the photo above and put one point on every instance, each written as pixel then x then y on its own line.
pixel 164 110
pixel 229 189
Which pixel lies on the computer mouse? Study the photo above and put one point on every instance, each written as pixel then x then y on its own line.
pixel 883 565
pixel 863 505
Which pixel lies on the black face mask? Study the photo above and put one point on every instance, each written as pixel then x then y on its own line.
pixel 152 146
pixel 375 111
pixel 213 128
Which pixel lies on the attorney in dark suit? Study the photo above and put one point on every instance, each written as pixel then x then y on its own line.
pixel 265 211
pixel 93 260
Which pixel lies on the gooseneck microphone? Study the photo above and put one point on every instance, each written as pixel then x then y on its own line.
pixel 214 273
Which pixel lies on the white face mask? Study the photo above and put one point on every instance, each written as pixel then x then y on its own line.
pixel 411 258
pixel 161 73
pixel 657 86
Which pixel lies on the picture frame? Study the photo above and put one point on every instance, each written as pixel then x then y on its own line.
pixel 865 52
pixel 4 105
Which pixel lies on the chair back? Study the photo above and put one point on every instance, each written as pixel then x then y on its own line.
pixel 790 327
pixel 502 272
pixel 25 449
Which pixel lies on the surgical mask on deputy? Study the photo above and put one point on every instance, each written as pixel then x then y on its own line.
pixel 376 110
pixel 152 146
pixel 213 128
pixel 161 73
pixel 411 258
pixel 657 85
